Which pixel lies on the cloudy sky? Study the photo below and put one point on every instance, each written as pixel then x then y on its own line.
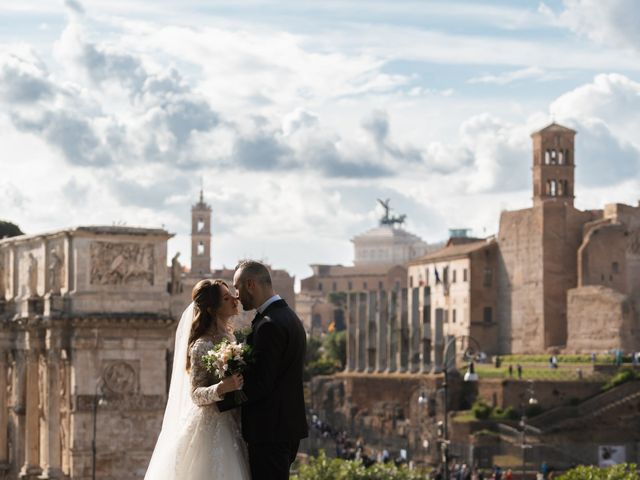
pixel 298 115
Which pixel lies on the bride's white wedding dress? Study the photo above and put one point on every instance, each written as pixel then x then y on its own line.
pixel 197 442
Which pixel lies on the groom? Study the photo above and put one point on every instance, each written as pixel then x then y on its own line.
pixel 273 417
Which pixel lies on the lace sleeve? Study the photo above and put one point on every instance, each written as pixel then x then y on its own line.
pixel 202 390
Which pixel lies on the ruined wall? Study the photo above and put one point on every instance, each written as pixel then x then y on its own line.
pixel 562 236
pixel 602 258
pixel 520 282
pixel 599 319
pixel 504 392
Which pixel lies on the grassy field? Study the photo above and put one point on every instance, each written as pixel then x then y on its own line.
pixel 601 359
pixel 537 371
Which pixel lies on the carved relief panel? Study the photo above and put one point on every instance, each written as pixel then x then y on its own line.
pixel 122 263
pixel 121 377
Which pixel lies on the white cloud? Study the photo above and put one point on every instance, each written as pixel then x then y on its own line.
pixel 294 134
pixel 529 73
pixel 612 22
pixel 611 98
pixel 23 77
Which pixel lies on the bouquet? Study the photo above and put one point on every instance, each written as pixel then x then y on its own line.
pixel 242 334
pixel 228 358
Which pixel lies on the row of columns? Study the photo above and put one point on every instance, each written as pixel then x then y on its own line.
pixel 392 331
pixel 34 405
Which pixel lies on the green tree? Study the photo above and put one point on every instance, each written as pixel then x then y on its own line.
pixel 8 229
pixel 313 353
pixel 324 468
pixel 339 299
pixel 624 471
pixel 335 348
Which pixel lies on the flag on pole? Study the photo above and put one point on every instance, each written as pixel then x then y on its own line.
pixel 437 275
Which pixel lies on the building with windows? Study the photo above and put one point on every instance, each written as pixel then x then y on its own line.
pixel 456 290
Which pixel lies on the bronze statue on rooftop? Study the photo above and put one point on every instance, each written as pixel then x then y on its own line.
pixel 390 219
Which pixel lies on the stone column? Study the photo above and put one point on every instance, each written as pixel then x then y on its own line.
pixel 425 327
pixel 382 319
pixel 392 331
pixel 362 332
pixel 31 469
pixel 352 313
pixel 415 337
pixel 65 408
pixel 4 423
pixel 18 401
pixel 403 315
pixel 50 450
pixel 374 313
pixel 438 340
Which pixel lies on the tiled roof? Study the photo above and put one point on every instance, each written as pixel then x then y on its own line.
pixel 454 251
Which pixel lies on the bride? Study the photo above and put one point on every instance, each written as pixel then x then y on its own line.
pixel 197 442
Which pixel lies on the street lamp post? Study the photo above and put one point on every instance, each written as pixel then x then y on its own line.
pixel 423 399
pixel 470 376
pixel 523 424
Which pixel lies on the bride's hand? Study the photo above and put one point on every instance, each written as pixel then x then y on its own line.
pixel 234 382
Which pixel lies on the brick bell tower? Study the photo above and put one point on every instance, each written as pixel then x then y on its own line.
pixel 553 164
pixel 201 237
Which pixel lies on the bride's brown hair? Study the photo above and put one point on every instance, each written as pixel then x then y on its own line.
pixel 207 297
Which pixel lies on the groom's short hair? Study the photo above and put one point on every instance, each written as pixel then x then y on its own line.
pixel 255 270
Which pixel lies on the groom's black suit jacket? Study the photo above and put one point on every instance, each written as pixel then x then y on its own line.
pixel 275 410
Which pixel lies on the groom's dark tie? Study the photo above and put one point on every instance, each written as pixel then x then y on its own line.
pixel 257 317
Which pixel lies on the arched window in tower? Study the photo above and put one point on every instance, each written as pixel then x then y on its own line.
pixel 200 225
pixel 554 157
pixel 560 157
pixel 547 157
pixel 553 188
pixel 561 188
pixel 566 188
pixel 200 249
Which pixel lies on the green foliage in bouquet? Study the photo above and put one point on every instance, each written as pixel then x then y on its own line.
pixel 624 471
pixel 324 468
pixel 242 334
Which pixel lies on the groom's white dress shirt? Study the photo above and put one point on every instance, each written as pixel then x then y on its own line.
pixel 264 306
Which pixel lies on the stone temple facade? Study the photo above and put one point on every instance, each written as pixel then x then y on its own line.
pixel 85 334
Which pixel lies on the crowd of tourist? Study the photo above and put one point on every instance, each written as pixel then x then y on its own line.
pixel 348 448
pixel 354 449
